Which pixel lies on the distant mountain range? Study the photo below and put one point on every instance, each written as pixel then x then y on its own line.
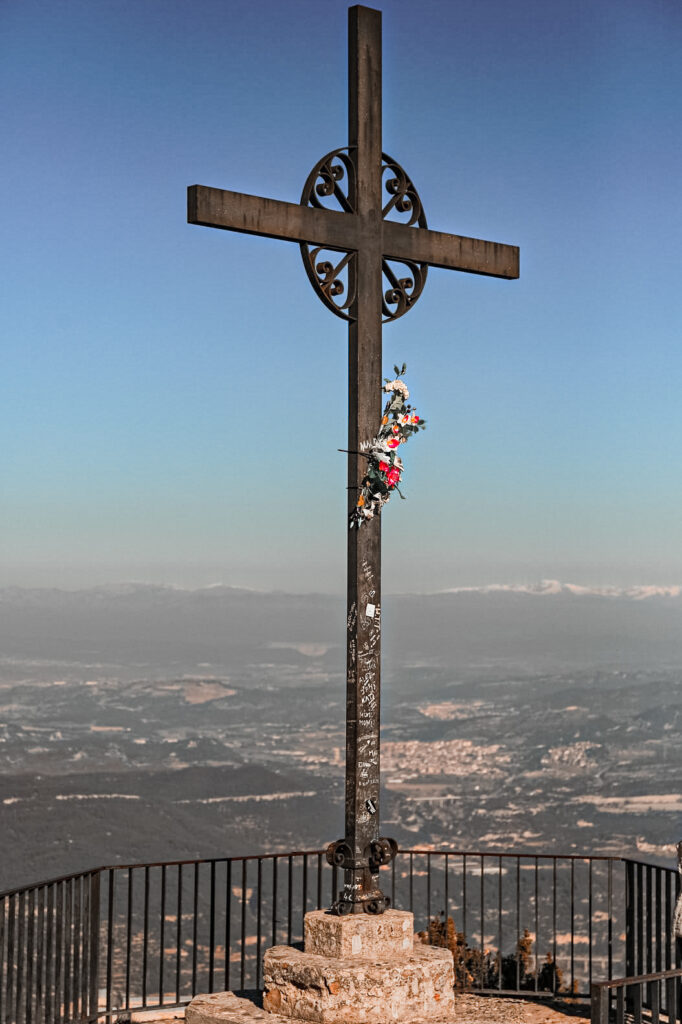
pixel 552 588
pixel 138 630
pixel 171 594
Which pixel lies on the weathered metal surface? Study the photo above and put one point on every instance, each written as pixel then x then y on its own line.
pixel 367 258
pixel 452 252
pixel 236 211
pixel 363 660
pixel 252 215
pixel 332 185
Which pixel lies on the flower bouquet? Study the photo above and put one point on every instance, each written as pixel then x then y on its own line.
pixel 384 465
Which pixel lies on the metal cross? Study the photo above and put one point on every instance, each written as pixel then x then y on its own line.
pixel 368 268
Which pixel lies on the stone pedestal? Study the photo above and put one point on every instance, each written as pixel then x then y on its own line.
pixel 359 990
pixel 358 969
pixel 382 937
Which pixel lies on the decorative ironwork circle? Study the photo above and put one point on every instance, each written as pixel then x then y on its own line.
pixel 331 185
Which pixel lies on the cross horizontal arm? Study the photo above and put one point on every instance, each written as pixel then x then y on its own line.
pixel 236 211
pixel 453 252
pixel 253 215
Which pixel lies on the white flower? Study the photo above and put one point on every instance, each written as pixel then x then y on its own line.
pixel 397 385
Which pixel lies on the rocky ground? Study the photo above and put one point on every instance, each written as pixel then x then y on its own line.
pixel 471 1009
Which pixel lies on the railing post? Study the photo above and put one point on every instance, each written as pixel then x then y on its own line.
pixel 599 1004
pixel 655 1001
pixel 630 929
pixel 93 958
pixel 671 998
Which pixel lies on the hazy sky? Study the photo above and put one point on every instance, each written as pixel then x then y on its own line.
pixel 172 397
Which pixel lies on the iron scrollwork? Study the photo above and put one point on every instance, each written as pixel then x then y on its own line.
pixel 331 186
pixel 379 853
pixel 403 288
pixel 404 196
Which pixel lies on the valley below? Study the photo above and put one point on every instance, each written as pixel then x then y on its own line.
pixel 117 747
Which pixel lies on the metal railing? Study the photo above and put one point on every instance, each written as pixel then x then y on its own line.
pixel 652 892
pixel 49 951
pixel 120 938
pixel 649 997
pixel 652 989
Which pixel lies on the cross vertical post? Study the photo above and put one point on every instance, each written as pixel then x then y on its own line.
pixel 363 659
pixel 384 253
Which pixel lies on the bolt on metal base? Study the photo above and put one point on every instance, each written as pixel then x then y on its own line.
pixel 372 902
pixel 361 893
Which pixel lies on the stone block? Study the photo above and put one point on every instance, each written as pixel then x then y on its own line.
pixel 359 990
pixel 227 1008
pixel 379 937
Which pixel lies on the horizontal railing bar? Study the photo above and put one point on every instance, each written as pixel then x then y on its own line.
pixel 185 1001
pixel 50 881
pixel 639 979
pixel 529 855
pixel 523 993
pixel 311 853
pixel 156 864
pixel 646 864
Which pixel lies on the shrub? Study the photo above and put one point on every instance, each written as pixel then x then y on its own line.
pixel 479 968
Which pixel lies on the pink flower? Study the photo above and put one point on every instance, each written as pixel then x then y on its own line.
pixel 393 442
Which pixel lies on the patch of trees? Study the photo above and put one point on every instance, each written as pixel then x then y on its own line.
pixel 477 968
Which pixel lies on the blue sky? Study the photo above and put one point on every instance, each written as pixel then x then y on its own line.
pixel 172 397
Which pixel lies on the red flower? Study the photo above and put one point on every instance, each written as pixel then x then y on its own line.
pixel 393 476
pixel 384 467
